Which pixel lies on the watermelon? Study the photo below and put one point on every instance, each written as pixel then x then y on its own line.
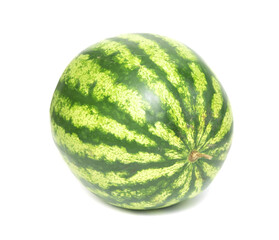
pixel 141 121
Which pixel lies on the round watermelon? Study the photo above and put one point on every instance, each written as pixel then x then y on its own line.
pixel 141 121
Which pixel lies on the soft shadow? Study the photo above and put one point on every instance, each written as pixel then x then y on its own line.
pixel 182 206
pixel 187 204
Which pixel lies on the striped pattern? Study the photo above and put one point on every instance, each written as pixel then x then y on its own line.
pixel 128 112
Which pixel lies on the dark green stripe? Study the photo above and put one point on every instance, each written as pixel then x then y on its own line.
pixel 175 192
pixel 192 184
pixel 110 110
pixel 208 95
pixel 181 66
pixel 94 186
pixel 223 141
pixel 185 72
pixel 148 63
pixel 130 79
pixel 160 186
pixel 216 125
pixel 103 166
pixel 96 137
pixel 206 180
pixel 160 183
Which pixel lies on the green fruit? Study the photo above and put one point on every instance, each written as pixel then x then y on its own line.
pixel 141 121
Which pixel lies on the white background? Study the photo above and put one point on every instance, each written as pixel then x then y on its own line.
pixel 41 199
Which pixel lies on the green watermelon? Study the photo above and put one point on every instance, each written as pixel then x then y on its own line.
pixel 141 121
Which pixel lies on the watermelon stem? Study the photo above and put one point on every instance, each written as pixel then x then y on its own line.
pixel 195 156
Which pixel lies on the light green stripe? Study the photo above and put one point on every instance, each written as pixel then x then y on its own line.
pixel 155 201
pixel 182 179
pixel 208 169
pixel 162 60
pixel 116 178
pixel 159 198
pixel 96 177
pixel 223 156
pixel 124 56
pixel 101 152
pixel 151 174
pixel 171 202
pixel 224 129
pixel 198 183
pixel 98 192
pixel 89 117
pixel 144 204
pixel 182 50
pixel 162 196
pixel 205 135
pixel 83 72
pixel 200 85
pixel 149 77
pixel 185 181
pixel 125 193
pixel 175 155
pixel 224 149
pixel 167 98
pixel 161 130
pixel 217 100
